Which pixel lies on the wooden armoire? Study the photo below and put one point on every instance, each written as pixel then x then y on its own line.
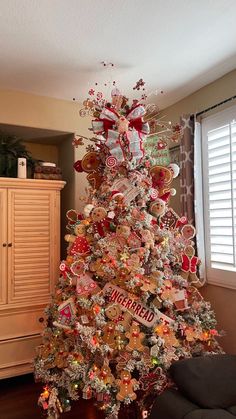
pixel 29 261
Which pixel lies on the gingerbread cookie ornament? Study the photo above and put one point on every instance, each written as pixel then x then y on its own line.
pixel 149 284
pixel 100 220
pixel 109 335
pixel 123 231
pixel 126 386
pixel 188 231
pixel 115 314
pixel 90 164
pixel 80 244
pixel 189 266
pixel 135 338
pixel 161 178
pixel 105 374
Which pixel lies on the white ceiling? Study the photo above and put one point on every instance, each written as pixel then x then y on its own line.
pixel 54 47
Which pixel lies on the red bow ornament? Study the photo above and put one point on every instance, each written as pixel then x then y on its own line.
pixel 189 264
pixel 138 132
pixel 135 135
pixel 108 119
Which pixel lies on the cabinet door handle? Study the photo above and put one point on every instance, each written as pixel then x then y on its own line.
pixel 41 319
pixel 4 245
pixel 9 244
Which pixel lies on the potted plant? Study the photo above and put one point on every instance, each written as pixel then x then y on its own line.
pixel 11 148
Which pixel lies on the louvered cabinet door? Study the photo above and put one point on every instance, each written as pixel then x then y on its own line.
pixel 3 246
pixel 32 245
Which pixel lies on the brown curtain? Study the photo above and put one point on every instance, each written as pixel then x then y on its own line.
pixel 187 168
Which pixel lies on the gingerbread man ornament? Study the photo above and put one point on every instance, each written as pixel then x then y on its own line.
pixel 101 222
pixel 80 243
pixel 105 374
pixel 135 338
pixel 126 386
pixel 109 334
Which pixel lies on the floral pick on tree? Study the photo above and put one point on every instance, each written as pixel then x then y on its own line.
pixel 126 305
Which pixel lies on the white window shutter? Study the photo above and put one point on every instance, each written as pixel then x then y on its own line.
pixel 219 183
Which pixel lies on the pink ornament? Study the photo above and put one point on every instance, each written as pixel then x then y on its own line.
pixel 66 312
pixel 153 194
pixel 111 161
pixel 86 285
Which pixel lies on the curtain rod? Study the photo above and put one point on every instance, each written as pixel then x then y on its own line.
pixel 215 106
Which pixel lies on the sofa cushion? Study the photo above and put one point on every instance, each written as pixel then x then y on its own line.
pixel 209 414
pixel 171 405
pixel 232 409
pixel 208 381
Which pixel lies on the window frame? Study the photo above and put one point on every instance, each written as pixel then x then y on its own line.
pixel 215 276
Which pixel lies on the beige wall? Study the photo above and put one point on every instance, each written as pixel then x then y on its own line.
pixel 24 109
pixel 44 152
pixel 223 300
pixel 203 98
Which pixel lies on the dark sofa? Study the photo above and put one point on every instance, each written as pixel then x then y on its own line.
pixel 206 389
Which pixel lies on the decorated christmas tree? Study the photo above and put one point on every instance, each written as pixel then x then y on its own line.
pixel 126 304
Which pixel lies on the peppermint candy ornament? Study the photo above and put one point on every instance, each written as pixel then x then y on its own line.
pixel 153 194
pixel 111 161
pixel 64 269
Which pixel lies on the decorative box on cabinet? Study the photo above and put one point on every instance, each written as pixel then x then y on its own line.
pixel 29 261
